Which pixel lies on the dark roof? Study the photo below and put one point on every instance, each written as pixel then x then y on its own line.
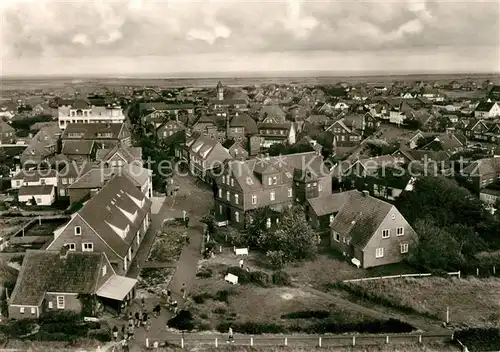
pixel 80 104
pixel 361 216
pixel 129 154
pixel 5 127
pixel 45 271
pixel 35 190
pixel 330 204
pixel 483 167
pixel 275 126
pixel 92 130
pixel 107 208
pixel 78 147
pixel 484 106
pixel 243 120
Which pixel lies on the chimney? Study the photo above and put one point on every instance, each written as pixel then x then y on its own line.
pixel 366 193
pixel 63 253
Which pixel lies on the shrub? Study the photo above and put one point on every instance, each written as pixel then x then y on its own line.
pixel 281 278
pixel 18 328
pixel 223 295
pixel 307 314
pixel 201 298
pixel 251 328
pixel 276 259
pixel 480 339
pixel 260 278
pixel 182 321
pixel 373 327
pixel 220 310
pixel 243 275
pixel 204 273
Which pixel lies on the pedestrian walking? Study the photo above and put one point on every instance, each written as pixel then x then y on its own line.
pixel 129 315
pixel 157 310
pixel 144 318
pixel 137 319
pixel 130 332
pixel 183 291
pixel 186 222
pixel 231 336
pixel 187 239
pixel 125 345
pixel 174 305
pixel 169 293
pixel 115 333
pixel 123 331
pixel 148 324
pixel 143 303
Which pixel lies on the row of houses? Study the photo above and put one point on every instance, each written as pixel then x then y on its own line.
pixel 89 257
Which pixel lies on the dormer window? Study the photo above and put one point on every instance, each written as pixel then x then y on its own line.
pixel 78 230
pixel 104 270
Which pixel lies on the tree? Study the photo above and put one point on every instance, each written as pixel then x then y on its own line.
pixel 290 240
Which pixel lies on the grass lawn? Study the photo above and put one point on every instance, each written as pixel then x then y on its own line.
pixel 215 303
pixel 472 301
pixel 167 246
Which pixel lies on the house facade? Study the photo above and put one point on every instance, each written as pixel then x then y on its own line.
pixel 276 182
pixel 204 155
pixel 56 281
pixel 7 133
pixel 82 111
pixel 483 172
pixel 487 110
pixel 36 177
pixel 41 195
pixel 105 135
pixel 169 128
pixel 114 221
pixel 370 232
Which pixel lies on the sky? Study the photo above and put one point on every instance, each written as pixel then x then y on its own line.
pixel 173 37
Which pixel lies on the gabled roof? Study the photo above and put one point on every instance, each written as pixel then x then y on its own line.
pixel 473 123
pixel 93 130
pixel 274 113
pixel 360 217
pixel 5 127
pixel 34 175
pixel 243 120
pixel 78 147
pixel 483 167
pixel 106 213
pixel 36 190
pixel 485 106
pixel 128 154
pixel 44 271
pixel 330 204
pixel 98 175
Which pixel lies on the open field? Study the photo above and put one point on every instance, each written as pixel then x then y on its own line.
pixel 471 301
pixel 231 78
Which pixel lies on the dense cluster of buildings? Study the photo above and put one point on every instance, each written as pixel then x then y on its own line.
pixel 87 156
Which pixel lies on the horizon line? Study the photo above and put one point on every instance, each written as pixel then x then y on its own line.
pixel 250 74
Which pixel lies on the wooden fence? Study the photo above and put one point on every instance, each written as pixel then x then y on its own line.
pixel 457 273
pixel 298 340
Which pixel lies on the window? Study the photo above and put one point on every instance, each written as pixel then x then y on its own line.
pixel 87 247
pixel 236 198
pixel 51 305
pixel 400 231
pixel 232 182
pixel 254 199
pixel 275 180
pixel 78 230
pixel 308 185
pixel 104 270
pixel 272 195
pixel 42 181
pixel 336 236
pixel 268 223
pixel 220 209
pixel 38 200
pixel 60 302
pixel 71 246
pixel 379 253
pixel 237 216
pixel 21 310
pixel 393 216
pixel 386 233
pixel 228 195
pixel 223 178
pixel 404 248
pixel 18 183
pixel 270 181
pixel 290 193
pixel 331 218
pixel 220 193
pixel 33 310
pixel 320 187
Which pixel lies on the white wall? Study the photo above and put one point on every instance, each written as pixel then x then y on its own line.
pixel 41 199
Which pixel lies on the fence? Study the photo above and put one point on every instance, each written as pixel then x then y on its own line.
pixel 397 277
pixel 303 341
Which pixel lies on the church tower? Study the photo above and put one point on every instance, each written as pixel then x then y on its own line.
pixel 220 91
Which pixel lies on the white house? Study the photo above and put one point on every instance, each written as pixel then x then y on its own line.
pixel 36 177
pixel 489 196
pixel 81 111
pixel 487 110
pixel 396 116
pixel 43 195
